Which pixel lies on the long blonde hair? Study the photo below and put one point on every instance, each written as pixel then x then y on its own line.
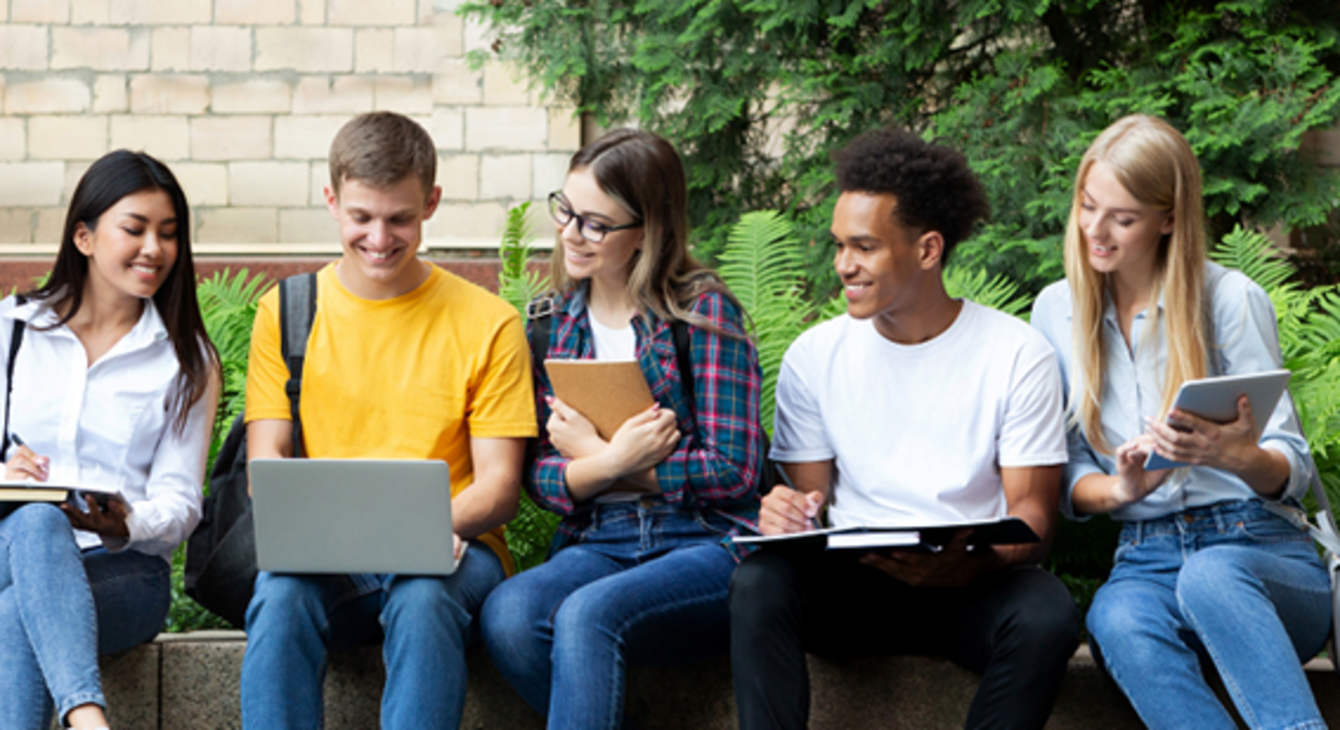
pixel 643 173
pixel 1154 163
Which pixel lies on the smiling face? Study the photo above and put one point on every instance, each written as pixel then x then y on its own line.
pixel 880 261
pixel 607 263
pixel 1121 235
pixel 132 247
pixel 380 231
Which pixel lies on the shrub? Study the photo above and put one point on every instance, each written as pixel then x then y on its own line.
pixel 757 94
pixel 529 533
pixel 228 307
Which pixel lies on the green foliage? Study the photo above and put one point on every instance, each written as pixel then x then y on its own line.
pixel 529 533
pixel 517 285
pixel 228 308
pixel 1309 329
pixel 756 94
pixel 763 267
pixel 996 291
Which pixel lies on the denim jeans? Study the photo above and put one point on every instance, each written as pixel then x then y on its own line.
pixel 645 583
pixel 59 609
pixel 1230 584
pixel 423 622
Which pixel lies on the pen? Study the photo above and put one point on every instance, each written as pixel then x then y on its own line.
pixel 14 436
pixel 781 471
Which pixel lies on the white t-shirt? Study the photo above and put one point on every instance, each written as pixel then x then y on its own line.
pixel 919 432
pixel 610 344
pixel 615 346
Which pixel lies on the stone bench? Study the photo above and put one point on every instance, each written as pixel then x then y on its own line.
pixel 191 681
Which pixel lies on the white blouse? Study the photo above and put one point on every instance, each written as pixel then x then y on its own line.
pixel 108 424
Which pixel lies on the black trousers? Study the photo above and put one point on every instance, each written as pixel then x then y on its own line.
pixel 1017 628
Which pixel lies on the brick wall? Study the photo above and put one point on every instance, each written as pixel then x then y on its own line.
pixel 242 98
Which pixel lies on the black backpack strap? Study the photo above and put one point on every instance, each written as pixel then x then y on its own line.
pixel 15 339
pixel 540 314
pixel 297 309
pixel 684 357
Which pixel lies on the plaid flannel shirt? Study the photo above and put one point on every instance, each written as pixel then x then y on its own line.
pixel 717 465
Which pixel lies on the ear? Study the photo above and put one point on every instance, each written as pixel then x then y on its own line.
pixel 83 238
pixel 430 205
pixel 332 201
pixel 1168 224
pixel 930 248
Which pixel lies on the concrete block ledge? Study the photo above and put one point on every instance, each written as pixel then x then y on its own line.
pixel 191 681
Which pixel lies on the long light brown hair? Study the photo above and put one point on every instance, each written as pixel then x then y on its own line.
pixel 642 172
pixel 1154 163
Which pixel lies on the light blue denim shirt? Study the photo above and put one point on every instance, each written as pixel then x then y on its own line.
pixel 1244 339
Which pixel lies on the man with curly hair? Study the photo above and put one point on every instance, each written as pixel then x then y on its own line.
pixel 915 409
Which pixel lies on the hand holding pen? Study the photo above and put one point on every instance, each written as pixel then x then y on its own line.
pixel 786 509
pixel 25 465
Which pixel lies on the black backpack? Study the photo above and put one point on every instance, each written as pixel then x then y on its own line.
pixel 221 553
pixel 540 312
pixel 15 339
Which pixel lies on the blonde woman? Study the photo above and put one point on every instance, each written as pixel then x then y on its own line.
pixel 1203 572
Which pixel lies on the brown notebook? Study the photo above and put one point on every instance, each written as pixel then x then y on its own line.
pixel 607 393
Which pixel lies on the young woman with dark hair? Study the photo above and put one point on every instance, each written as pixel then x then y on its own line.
pixel 114 384
pixel 640 569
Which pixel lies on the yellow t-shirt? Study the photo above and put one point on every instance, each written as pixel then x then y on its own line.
pixel 412 377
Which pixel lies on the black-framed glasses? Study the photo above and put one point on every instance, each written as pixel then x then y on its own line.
pixel 593 231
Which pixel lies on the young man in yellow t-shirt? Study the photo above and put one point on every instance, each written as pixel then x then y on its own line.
pixel 404 361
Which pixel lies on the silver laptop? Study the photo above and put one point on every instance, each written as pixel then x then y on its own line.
pixel 352 516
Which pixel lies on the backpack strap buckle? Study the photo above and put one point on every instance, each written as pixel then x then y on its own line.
pixel 541 306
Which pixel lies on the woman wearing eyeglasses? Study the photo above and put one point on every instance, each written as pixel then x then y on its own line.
pixel 640 568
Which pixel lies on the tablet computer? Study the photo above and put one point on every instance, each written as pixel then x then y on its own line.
pixel 1216 399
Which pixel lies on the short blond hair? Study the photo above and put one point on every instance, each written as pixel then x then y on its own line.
pixel 380 149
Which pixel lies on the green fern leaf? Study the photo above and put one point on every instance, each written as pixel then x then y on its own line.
pixel 764 267
pixel 998 292
pixel 517 285
pixel 1254 255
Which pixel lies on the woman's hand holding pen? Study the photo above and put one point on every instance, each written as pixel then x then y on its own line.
pixel 785 510
pixel 23 464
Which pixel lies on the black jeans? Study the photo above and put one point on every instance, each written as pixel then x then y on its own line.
pixel 1017 628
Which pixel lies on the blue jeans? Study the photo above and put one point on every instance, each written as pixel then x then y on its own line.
pixel 424 622
pixel 1230 584
pixel 59 609
pixel 645 583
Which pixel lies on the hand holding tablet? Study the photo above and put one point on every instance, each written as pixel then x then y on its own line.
pixel 1216 399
